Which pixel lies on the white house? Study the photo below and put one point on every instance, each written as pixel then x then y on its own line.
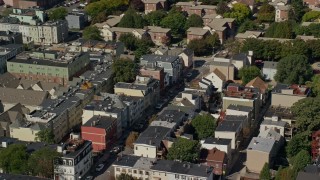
pixel 269 70
pixel 275 124
pixel 230 130
pixel 216 78
pixel 219 143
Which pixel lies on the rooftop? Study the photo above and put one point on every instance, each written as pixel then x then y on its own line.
pixel 274 123
pixel 280 112
pixel 294 89
pixel 73 147
pixel 240 108
pixel 153 135
pixel 197 31
pixel 161 58
pixel 221 141
pixel 270 134
pixel 230 125
pixel 270 64
pixel 108 105
pixel 234 118
pixel 212 155
pixel 103 122
pixel 25 97
pixel 261 144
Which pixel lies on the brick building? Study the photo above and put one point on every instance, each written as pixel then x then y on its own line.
pixel 101 131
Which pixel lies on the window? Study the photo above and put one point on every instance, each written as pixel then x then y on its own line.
pixel 135 171
pixel 177 176
pixel 117 169
pixel 140 172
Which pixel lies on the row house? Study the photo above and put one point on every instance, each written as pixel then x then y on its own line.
pixel 224 27
pixel 194 33
pixel 159 35
pixel 154 5
pixel 185 53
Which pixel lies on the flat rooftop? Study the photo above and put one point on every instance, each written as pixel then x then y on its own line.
pixel 103 122
pixel 261 144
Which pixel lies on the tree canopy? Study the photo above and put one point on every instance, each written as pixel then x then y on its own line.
pixel 58 13
pixel 248 73
pixel 204 47
pixel 265 172
pixel 45 135
pixel 293 69
pixel 239 11
pixel 132 19
pixel 40 162
pixel 307 114
pixel 301 160
pixel 222 8
pixel 311 30
pixel 311 16
pixel 176 21
pixel 266 13
pixel 281 30
pixel 249 25
pixel 129 41
pixel 137 5
pixel 94 8
pixel 124 70
pixel 297 143
pixel 204 126
pixel 13 159
pixel 92 33
pixel 314 84
pixel 154 18
pixel 133 136
pixel 298 10
pixel 184 150
pixel 194 21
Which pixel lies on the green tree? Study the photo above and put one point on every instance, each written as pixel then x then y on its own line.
pixel 311 30
pixel 204 126
pixel 124 70
pixel 94 8
pixel 278 174
pixel 129 41
pixel 297 143
pixel 306 112
pixel 296 46
pixel 132 19
pixel 266 13
pixel 137 5
pixel 222 8
pixel 248 25
pixel 125 177
pixel 58 13
pixel 176 21
pixel 184 150
pixel 100 17
pixel 298 9
pixel 92 33
pixel 194 21
pixel 45 135
pixel 265 173
pixel 300 161
pixel 293 69
pixel 200 47
pixel 314 49
pixel 232 46
pixel 248 73
pixel 284 174
pixel 311 16
pixel 315 85
pixel 281 30
pixel 240 12
pixel 40 162
pixel 14 159
pixel 213 41
pixel 154 18
pixel 143 49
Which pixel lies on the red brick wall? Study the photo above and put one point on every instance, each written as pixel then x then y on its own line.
pixel 156 74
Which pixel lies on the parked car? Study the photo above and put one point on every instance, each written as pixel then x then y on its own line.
pixel 99 167
pixel 159 106
pixel 89 178
pixel 189 74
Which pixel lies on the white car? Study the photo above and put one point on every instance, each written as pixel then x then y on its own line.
pixel 99 167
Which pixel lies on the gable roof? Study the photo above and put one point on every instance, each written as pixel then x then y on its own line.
pixel 197 31
pixel 258 83
pixel 247 2
pixel 156 29
pixel 25 97
pixel 219 74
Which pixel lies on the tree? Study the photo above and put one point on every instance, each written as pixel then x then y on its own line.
pixel 132 20
pixel 248 73
pixel 301 160
pixel 200 47
pixel 204 125
pixel 266 13
pixel 210 2
pixel 58 13
pixel 297 143
pixel 154 18
pixel 311 30
pixel 298 9
pixel 213 41
pixel 306 112
pixel 314 49
pixel 100 17
pixel 278 174
pixel 124 70
pixel 281 30
pixel 184 150
pixel 94 8
pixel 285 173
pixel 40 162
pixel 137 5
pixel 240 12
pixel 222 8
pixel 297 46
pixel 293 69
pixel 92 33
pixel 13 159
pixel 194 21
pixel 248 25
pixel 143 49
pixel 176 21
pixel 265 173
pixel 311 16
pixel 129 41
pixel 125 177
pixel 133 136
pixel 45 135
pixel 232 46
pixel 315 85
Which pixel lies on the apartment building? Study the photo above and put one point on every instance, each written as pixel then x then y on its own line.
pixel 8 52
pixel 101 131
pixel 30 16
pixel 77 20
pixel 48 66
pixel 194 33
pixel 171 64
pixel 185 53
pixel 76 159
pixel 154 5
pixel 41 34
pixel 149 168
pixel 10 38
